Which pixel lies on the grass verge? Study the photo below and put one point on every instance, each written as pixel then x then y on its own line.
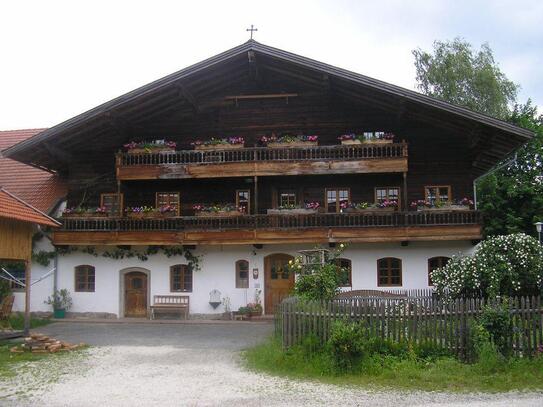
pixel 442 374
pixel 17 321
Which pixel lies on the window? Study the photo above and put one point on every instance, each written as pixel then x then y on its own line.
pixel 84 278
pixel 335 197
pixel 345 272
pixel 389 272
pixel 287 198
pixel 387 193
pixel 435 263
pixel 17 270
pixel 113 203
pixel 180 278
pixel 439 193
pixel 243 200
pixel 242 274
pixel 168 198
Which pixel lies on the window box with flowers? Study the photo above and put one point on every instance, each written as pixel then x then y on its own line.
pixel 80 212
pixel 464 204
pixel 139 212
pixel 230 143
pixel 308 209
pixel 149 147
pixel 377 137
pixel 225 210
pixel 289 141
pixel 369 208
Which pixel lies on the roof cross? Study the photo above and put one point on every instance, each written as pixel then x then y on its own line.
pixel 251 30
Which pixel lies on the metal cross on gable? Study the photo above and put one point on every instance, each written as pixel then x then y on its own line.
pixel 251 30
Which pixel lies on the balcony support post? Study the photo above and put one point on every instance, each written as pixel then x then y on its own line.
pixel 255 183
pixel 404 198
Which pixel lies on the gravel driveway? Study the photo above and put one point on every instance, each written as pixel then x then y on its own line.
pixel 192 365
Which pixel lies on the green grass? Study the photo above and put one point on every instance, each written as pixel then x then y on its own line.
pixel 8 360
pixel 443 374
pixel 17 322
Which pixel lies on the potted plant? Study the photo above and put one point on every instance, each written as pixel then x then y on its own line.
pixel 289 140
pixel 254 309
pixel 149 147
pixel 308 209
pixel 229 143
pixel 245 312
pixel 217 210
pixel 61 301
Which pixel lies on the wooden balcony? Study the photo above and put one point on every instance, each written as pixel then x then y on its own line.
pixel 269 229
pixel 262 161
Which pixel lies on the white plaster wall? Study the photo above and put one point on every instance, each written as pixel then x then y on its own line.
pixel 39 291
pixel 218 272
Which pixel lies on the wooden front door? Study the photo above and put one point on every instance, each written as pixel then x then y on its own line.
pixel 279 282
pixel 135 294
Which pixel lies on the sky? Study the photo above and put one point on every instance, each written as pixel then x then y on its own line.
pixel 61 58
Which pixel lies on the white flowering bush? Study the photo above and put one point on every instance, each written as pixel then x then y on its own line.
pixel 500 265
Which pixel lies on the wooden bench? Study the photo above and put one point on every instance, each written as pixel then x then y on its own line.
pixel 169 303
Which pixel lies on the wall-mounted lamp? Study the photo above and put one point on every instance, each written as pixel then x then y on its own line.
pixel 255 273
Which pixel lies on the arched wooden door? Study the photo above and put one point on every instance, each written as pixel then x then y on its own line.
pixel 278 280
pixel 135 294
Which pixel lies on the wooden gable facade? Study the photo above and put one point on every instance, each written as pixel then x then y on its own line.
pixel 253 91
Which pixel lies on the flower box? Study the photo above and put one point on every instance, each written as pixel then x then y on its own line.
pixel 215 147
pixel 370 210
pixel 445 208
pixel 219 214
pixel 160 150
pixel 359 142
pixel 351 142
pixel 297 144
pixel 75 215
pixel 297 211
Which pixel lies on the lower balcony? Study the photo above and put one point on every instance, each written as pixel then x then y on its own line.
pixel 270 229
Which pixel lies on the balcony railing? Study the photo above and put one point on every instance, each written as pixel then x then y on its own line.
pixel 263 222
pixel 256 154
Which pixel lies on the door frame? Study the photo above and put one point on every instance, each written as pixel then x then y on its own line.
pixel 122 300
pixel 267 271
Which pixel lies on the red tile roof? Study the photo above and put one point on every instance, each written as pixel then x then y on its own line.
pixel 41 189
pixel 12 207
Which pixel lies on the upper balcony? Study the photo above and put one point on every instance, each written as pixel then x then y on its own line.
pixel 263 161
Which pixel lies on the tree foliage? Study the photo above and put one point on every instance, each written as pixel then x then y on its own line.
pixel 511 199
pixel 458 74
pixel 500 265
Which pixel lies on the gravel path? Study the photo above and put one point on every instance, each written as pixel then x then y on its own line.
pixel 196 365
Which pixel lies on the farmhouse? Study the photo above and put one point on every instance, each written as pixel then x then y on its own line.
pixel 205 183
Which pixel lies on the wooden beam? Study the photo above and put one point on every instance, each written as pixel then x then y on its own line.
pixel 270 168
pixel 273 236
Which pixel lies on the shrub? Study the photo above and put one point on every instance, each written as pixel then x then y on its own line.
pixel 346 344
pixel 501 265
pixel 495 327
pixel 321 285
